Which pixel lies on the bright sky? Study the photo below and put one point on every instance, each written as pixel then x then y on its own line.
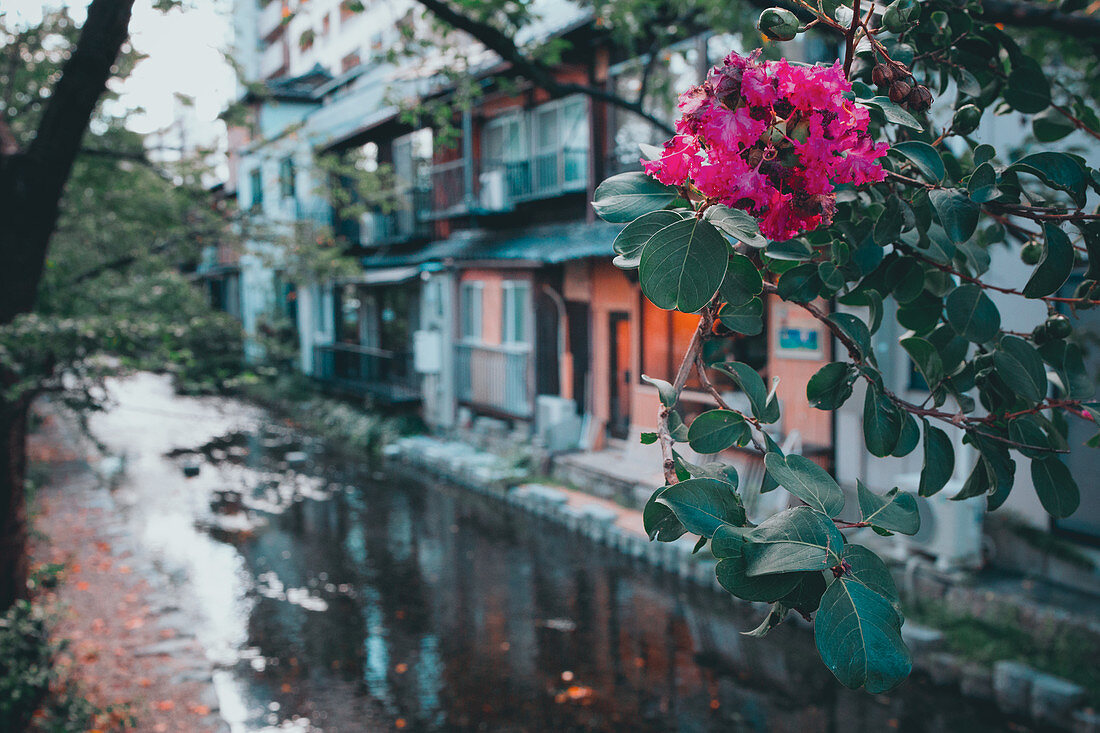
pixel 184 49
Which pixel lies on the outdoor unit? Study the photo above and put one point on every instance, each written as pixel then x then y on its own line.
pixel 492 190
pixel 950 531
pixel 427 352
pixel 557 424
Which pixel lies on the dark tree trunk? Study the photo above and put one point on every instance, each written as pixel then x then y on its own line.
pixel 31 185
pixel 13 512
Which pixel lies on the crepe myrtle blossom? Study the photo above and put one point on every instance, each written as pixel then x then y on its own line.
pixel 772 138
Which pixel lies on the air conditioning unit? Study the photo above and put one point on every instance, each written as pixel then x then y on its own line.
pixel 427 352
pixel 950 531
pixel 492 190
pixel 557 424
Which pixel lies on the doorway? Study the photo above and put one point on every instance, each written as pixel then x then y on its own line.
pixel 619 415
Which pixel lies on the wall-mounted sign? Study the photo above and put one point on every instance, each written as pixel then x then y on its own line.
pixel 798 335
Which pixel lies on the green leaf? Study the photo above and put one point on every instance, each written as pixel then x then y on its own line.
pixel 683 265
pixel 1020 366
pixel 856 330
pixel 909 438
pixel 831 386
pixel 1058 492
pixel 736 223
pixel 659 521
pixel 1026 430
pixel 892 112
pixel 957 213
pixel 664 390
pixel 743 281
pixel 1051 125
pixel 972 314
pixel 806 597
pixel 764 408
pixel 1028 90
pixel 1054 268
pixel 869 569
pixel 938 460
pixel 627 196
pixel 896 511
pixel 881 423
pixel 1057 170
pixel 747 319
pixel 1090 231
pixel 858 634
pixel 648 438
pixel 775 616
pixel 732 570
pixel 926 358
pixel 795 539
pixel 1068 362
pixel 808 481
pixel 888 225
pixel 925 157
pixel 800 284
pixel 628 244
pixel 715 430
pixel 704 504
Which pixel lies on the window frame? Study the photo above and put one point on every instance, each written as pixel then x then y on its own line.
pixel 465 317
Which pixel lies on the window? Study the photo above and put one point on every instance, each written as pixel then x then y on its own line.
pixel 470 310
pixel 560 142
pixel 287 174
pixel 256 187
pixel 517 300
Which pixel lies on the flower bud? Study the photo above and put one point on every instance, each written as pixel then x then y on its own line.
pixel 893 20
pixel 899 90
pixel 966 119
pixel 778 24
pixel 1058 326
pixel 1031 253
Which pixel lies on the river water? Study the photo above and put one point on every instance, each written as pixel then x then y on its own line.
pixel 339 596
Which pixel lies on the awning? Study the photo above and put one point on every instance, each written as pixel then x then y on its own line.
pixel 383 276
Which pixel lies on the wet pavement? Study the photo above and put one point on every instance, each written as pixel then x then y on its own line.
pixel 335 595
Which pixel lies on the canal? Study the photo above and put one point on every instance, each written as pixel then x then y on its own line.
pixel 337 595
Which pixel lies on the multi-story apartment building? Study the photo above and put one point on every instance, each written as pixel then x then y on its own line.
pixel 487 286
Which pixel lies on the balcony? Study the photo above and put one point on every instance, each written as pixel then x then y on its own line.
pixel 386 376
pixel 408 222
pixel 449 188
pixel 275 60
pixel 495 378
pixel 272 17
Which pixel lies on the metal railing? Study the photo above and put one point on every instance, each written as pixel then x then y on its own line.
pixel 410 220
pixel 382 374
pixel 449 187
pixel 495 377
pixel 527 179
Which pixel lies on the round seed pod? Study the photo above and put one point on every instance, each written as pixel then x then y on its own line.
pixel 899 91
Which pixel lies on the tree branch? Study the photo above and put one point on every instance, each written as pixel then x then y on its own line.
pixel 538 73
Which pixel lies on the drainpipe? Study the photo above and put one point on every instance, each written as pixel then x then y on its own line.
pixel 468 157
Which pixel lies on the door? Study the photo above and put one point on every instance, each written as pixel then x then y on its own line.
pixel 619 422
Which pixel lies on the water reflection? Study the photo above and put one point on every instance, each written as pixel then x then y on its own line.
pixel 359 601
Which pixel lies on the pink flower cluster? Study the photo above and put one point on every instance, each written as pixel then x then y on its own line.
pixel 771 138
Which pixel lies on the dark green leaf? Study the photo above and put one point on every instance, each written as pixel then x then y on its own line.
pixel 737 224
pixel 893 112
pixel 659 521
pixel 747 319
pixel 683 265
pixel 938 460
pixel 800 284
pixel 715 430
pixel 764 408
pixel 856 330
pixel 1051 125
pixel 869 569
pixel 808 481
pixel 1054 268
pixel 926 358
pixel 896 511
pixel 704 504
pixel 743 281
pixel 795 539
pixel 831 386
pixel 627 196
pixel 972 314
pixel 957 213
pixel 775 616
pixel 1020 366
pixel 1055 486
pixel 1028 90
pixel 732 570
pixel 664 390
pixel 1057 170
pixel 881 423
pixel 628 245
pixel 648 438
pixel 859 638
pixel 909 438
pixel 925 157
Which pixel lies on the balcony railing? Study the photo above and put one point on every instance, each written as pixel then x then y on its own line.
pixel 503 183
pixel 496 378
pixel 388 376
pixel 409 221
pixel 449 187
